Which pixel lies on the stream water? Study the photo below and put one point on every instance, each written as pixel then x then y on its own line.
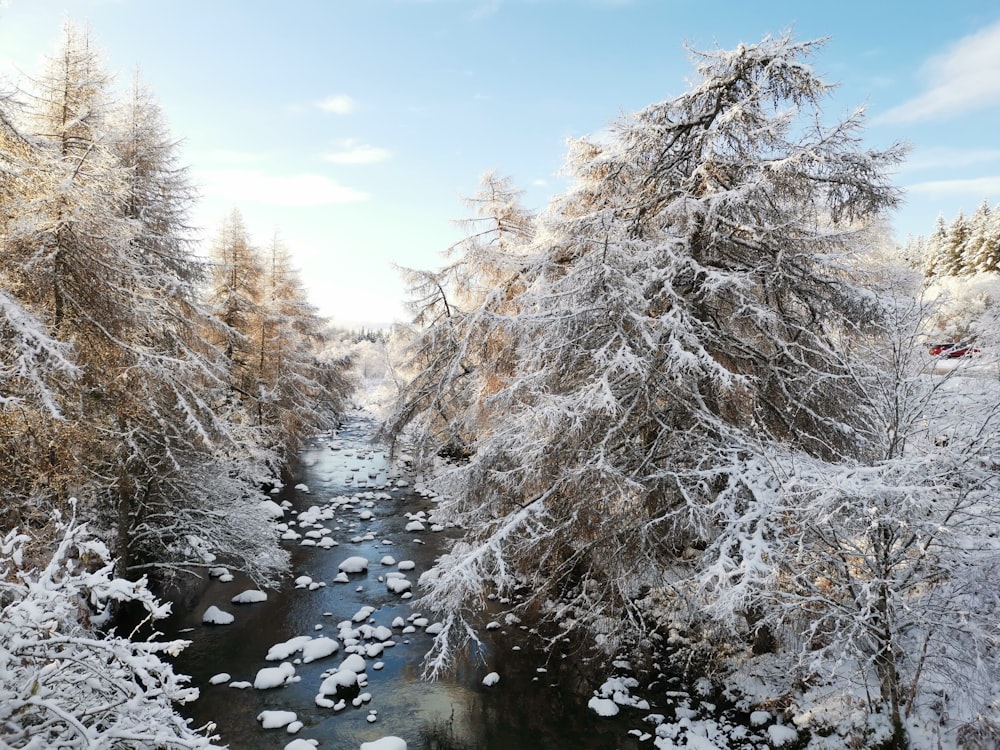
pixel 539 702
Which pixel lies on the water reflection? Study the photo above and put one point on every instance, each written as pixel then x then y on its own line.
pixel 527 709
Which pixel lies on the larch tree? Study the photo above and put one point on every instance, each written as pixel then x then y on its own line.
pixel 272 338
pixel 236 288
pixel 461 347
pixel 184 477
pixel 67 251
pixel 35 366
pixel 693 298
pixel 301 392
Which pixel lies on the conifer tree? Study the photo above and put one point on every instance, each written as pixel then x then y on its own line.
pixel 461 349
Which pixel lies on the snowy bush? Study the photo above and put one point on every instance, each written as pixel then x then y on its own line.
pixel 62 683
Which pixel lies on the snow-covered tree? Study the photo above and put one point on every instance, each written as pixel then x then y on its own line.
pixel 300 392
pixel 236 293
pixel 879 571
pixel 692 298
pixel 99 254
pixel 460 350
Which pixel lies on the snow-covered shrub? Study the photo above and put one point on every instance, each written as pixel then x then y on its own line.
pixel 63 683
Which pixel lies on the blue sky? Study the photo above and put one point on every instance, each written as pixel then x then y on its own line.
pixel 354 127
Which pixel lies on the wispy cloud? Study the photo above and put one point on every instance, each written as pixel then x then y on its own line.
pixel 963 79
pixel 302 190
pixel 352 152
pixel 936 158
pixel 338 104
pixel 975 186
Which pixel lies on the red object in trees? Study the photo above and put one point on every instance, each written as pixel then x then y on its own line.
pixel 951 350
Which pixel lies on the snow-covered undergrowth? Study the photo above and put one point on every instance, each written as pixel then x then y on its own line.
pixel 63 683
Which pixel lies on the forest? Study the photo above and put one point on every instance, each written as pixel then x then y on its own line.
pixel 685 410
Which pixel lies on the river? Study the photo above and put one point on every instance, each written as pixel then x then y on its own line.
pixel 364 505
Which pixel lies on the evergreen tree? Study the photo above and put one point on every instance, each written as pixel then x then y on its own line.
pixel 953 252
pixel 936 260
pixel 986 256
pixel 973 249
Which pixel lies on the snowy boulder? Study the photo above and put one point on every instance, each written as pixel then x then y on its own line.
pixel 491 679
pixel 215 616
pixel 273 677
pixel 603 706
pixel 302 745
pixel 220 678
pixel 415 526
pixel 271 509
pixel 397 585
pixel 318 648
pixel 342 679
pixel 251 596
pixel 381 633
pixel 283 650
pixel 356 564
pixel 355 663
pixel 386 743
pixel 302 487
pixel 363 614
pixel 275 719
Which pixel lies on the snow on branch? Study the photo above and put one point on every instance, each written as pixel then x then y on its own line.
pixel 65 684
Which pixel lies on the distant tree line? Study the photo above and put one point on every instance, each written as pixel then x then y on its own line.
pixel 373 335
pixel 159 388
pixel 965 246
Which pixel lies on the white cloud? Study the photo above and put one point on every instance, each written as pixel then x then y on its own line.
pixel 301 190
pixel 352 152
pixel 975 186
pixel 338 104
pixel 961 80
pixel 935 158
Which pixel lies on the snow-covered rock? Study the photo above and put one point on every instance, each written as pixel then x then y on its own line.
pixel 398 585
pixel 386 743
pixel 491 679
pixel 251 596
pixel 318 648
pixel 271 509
pixel 603 706
pixel 283 650
pixel 355 564
pixel 215 616
pixel 273 677
pixel 781 734
pixel 275 719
